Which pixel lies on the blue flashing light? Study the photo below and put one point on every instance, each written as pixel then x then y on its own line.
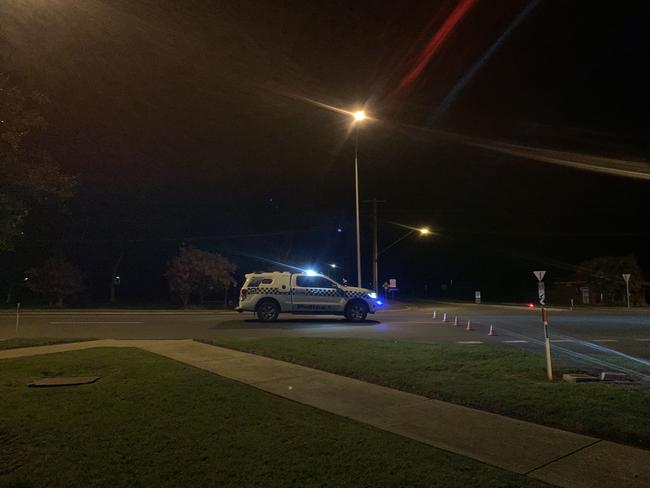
pixel 310 272
pixel 379 302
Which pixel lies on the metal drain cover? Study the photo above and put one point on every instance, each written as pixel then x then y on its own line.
pixel 65 381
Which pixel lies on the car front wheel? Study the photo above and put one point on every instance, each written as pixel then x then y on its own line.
pixel 356 311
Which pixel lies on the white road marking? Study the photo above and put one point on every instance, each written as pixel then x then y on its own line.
pixel 469 342
pixel 85 323
pixel 562 340
pixel 605 340
pixel 514 342
pixel 431 322
pixel 32 313
pixel 642 340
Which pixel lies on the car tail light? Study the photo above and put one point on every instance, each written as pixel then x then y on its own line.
pixel 242 294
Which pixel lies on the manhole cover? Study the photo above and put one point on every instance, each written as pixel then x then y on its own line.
pixel 65 381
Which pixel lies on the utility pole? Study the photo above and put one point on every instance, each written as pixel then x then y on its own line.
pixel 375 244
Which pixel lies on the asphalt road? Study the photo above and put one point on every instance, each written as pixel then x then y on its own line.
pixel 600 338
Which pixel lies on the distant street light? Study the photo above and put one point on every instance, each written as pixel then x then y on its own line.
pixel 332 266
pixel 422 231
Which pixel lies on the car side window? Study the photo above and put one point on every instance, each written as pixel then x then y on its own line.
pixel 314 282
pixel 255 282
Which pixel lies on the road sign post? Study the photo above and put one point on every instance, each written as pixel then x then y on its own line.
pixel 626 277
pixel 541 293
pixel 477 297
pixel 392 287
pixel 547 343
pixel 17 317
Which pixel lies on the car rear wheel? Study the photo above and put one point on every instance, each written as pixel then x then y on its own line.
pixel 268 311
pixel 356 311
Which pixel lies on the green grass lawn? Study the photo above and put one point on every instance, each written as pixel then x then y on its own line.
pixel 153 422
pixel 35 341
pixel 498 379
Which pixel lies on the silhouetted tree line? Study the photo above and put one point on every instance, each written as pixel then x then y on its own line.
pixel 192 274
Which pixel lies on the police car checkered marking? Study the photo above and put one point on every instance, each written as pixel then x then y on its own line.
pixel 322 292
pixel 356 294
pixel 267 291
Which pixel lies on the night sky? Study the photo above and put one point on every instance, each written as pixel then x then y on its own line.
pixel 187 122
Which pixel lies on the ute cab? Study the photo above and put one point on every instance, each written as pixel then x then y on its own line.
pixel 269 294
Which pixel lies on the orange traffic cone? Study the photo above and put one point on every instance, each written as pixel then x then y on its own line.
pixel 456 321
pixel 444 317
pixel 492 332
pixel 469 325
pixel 435 316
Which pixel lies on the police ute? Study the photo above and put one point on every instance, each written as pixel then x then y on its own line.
pixel 269 294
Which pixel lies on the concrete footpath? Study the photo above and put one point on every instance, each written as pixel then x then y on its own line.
pixel 551 455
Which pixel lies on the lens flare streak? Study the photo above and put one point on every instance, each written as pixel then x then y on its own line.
pixel 436 42
pixel 471 73
pixel 585 162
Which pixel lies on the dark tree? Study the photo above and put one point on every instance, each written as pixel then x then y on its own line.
pixel 196 272
pixel 604 274
pixel 56 279
pixel 29 175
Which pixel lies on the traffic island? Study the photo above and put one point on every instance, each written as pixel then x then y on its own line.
pixel 500 380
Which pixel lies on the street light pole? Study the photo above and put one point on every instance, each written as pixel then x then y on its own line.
pixel 356 200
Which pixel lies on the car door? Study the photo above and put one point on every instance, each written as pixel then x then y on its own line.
pixel 315 294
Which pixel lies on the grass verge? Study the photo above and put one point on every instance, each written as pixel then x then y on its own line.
pixel 502 380
pixel 150 421
pixel 35 341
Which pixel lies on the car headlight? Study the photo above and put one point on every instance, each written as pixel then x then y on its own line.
pixel 372 295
